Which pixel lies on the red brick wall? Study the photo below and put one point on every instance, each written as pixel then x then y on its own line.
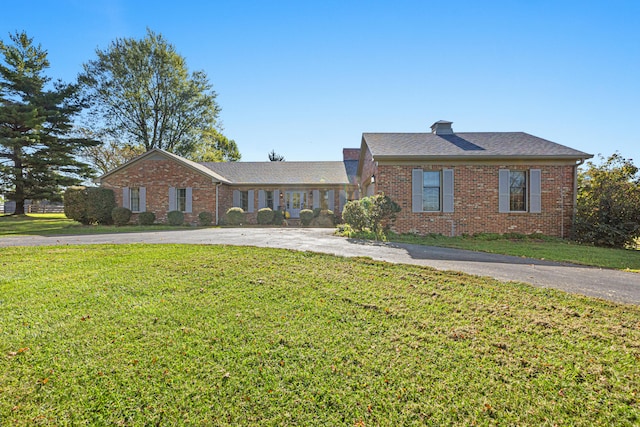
pixel 157 176
pixel 476 200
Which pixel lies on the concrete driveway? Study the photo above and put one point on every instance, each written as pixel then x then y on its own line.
pixel 612 285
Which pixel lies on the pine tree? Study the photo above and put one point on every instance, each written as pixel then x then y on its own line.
pixel 37 154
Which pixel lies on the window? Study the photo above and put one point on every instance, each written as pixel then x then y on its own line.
pixel 431 191
pixel 517 191
pixel 181 198
pixel 269 199
pixel 520 190
pixel 244 200
pixel 134 199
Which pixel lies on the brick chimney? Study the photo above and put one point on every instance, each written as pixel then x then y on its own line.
pixel 350 154
pixel 442 127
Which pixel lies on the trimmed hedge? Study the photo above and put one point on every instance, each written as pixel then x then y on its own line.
pixel 146 218
pixel 75 204
pixel 325 218
pixel 278 217
pixel 92 205
pixel 265 216
pixel 306 215
pixel 205 218
pixel 234 216
pixel 175 218
pixel 121 216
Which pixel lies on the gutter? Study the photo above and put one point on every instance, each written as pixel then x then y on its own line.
pixel 579 163
pixel 217 204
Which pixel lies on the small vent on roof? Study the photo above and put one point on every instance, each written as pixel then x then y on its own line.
pixel 442 127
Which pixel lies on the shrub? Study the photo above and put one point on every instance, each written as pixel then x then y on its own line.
pixel 316 212
pixel 375 213
pixel 278 217
pixel 608 203
pixel 354 215
pixel 91 205
pixel 146 218
pixel 306 215
pixel 205 218
pixel 120 216
pixel 75 204
pixel 175 218
pixel 382 213
pixel 100 203
pixel 235 216
pixel 265 216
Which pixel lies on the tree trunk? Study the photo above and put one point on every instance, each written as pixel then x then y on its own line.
pixel 19 191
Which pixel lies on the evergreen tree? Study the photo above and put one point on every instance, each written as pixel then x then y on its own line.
pixel 37 158
pixel 275 157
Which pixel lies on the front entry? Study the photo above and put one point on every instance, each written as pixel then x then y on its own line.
pixel 294 202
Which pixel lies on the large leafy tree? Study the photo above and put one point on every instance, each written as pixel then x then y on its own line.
pixel 109 154
pixel 37 156
pixel 143 94
pixel 608 203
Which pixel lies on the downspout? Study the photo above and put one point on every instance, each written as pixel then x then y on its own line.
pixel 575 193
pixel 217 206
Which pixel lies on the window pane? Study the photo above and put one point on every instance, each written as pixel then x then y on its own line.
pixel 182 199
pixel 431 179
pixel 269 197
pixel 431 199
pixel 431 191
pixel 517 191
pixel 244 200
pixel 134 196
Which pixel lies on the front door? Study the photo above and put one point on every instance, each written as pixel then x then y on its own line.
pixel 294 202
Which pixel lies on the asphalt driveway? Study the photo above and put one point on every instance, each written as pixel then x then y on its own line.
pixel 612 285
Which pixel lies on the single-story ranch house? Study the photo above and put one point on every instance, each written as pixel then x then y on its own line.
pixel 445 182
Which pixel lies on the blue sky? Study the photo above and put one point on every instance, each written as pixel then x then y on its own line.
pixel 307 78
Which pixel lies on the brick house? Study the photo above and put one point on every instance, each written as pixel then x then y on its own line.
pixel 160 182
pixel 445 182
pixel 472 182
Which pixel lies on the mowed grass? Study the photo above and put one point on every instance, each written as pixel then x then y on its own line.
pixel 549 248
pixel 59 224
pixel 214 335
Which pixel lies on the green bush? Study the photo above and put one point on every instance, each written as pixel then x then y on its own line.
pixel 234 216
pixel 375 213
pixel 265 216
pixel 146 218
pixel 306 215
pixel 608 203
pixel 354 215
pixel 91 205
pixel 175 218
pixel 75 204
pixel 205 218
pixel 316 212
pixel 120 216
pixel 278 217
pixel 100 203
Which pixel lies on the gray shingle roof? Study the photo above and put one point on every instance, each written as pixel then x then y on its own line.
pixel 467 145
pixel 281 172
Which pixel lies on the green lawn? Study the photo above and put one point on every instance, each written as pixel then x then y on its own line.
pixel 539 247
pixel 214 335
pixel 52 224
